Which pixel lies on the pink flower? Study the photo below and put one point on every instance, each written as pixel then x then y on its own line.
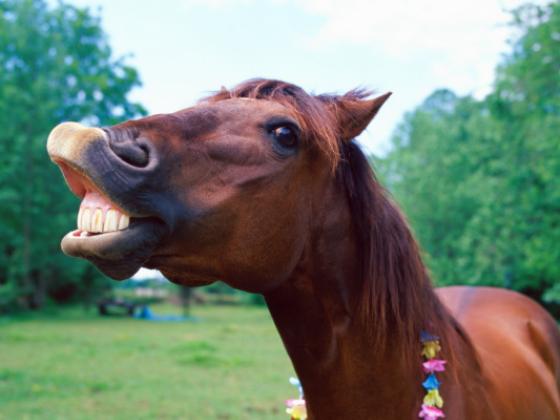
pixel 294 402
pixel 430 413
pixel 296 409
pixel 434 365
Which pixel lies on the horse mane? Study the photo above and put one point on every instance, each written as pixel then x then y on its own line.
pixel 397 297
pixel 396 300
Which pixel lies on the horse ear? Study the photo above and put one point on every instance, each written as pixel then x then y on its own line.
pixel 353 114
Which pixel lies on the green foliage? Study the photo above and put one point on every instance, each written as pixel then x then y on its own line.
pixel 55 65
pixel 480 180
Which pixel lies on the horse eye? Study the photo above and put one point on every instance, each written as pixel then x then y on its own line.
pixel 285 136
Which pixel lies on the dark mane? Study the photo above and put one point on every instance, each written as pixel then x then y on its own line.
pixel 397 299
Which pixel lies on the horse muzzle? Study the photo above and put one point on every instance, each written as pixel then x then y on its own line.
pixel 122 218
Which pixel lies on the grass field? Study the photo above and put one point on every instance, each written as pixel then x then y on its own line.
pixel 74 365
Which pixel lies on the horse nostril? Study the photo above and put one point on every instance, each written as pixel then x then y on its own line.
pixel 135 152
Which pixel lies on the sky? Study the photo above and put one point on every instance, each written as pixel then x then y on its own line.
pixel 186 49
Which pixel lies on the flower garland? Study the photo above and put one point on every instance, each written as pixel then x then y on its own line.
pixel 432 403
pixel 296 407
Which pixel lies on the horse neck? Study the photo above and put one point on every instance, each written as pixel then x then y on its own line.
pixel 346 372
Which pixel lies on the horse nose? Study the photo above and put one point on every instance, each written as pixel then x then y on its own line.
pixel 69 142
pixel 134 151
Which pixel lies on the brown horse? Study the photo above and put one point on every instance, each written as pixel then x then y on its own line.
pixel 263 186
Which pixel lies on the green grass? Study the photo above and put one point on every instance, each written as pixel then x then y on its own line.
pixel 228 365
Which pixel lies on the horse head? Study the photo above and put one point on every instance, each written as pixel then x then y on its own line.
pixel 227 189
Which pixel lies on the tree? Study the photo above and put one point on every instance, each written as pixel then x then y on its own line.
pixel 429 170
pixel 480 179
pixel 527 103
pixel 55 65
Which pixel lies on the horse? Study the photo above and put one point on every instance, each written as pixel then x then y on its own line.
pixel 264 186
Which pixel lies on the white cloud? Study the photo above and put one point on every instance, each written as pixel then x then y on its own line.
pixel 217 4
pixel 460 41
pixel 432 24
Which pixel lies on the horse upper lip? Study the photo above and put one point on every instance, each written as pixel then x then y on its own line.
pixel 89 163
pixel 80 183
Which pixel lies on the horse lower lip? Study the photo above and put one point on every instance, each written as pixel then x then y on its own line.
pixel 118 254
pixel 85 234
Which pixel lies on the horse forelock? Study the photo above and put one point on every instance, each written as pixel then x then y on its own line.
pixel 316 120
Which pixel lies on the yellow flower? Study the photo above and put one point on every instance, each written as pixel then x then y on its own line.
pixel 298 412
pixel 431 349
pixel 433 398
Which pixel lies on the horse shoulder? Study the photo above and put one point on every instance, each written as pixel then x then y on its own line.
pixel 518 346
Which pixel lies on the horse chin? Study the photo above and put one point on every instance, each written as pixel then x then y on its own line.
pixel 184 278
pixel 118 254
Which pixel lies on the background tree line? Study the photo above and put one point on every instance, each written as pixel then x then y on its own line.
pixel 55 65
pixel 480 179
pixel 477 178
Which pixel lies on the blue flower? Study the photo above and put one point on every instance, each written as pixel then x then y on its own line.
pixel 426 336
pixel 431 382
pixel 294 381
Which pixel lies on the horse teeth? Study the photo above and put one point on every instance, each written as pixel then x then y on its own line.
pixel 96 220
pixel 124 222
pixel 111 221
pixel 79 222
pixel 86 220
